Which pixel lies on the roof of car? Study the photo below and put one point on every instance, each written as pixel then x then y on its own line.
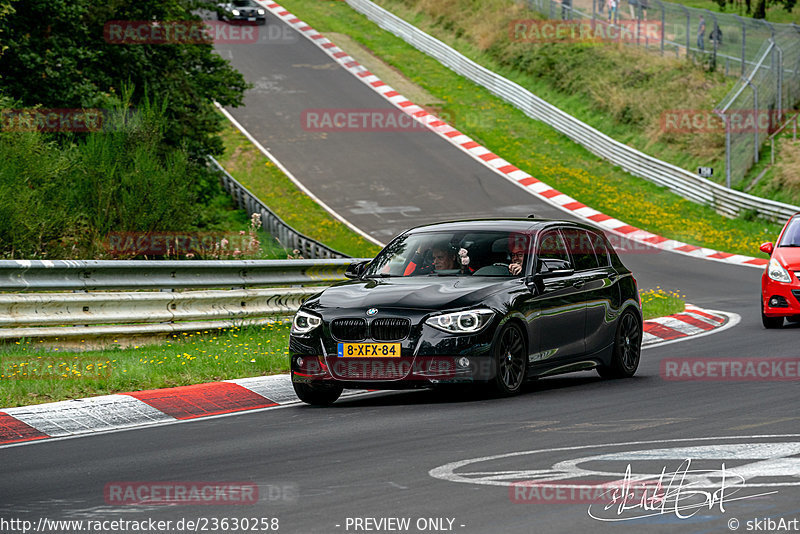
pixel 511 224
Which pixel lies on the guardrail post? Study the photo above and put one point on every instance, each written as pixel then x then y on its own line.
pixel 744 39
pixel 713 41
pixel 755 115
pixel 663 25
pixel 688 29
pixel 726 120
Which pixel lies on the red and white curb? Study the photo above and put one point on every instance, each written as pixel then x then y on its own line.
pixel 171 405
pixel 693 321
pixel 142 408
pixel 496 163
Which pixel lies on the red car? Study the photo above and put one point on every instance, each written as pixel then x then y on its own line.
pixel 780 285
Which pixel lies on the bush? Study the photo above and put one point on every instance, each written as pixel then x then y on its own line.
pixel 61 195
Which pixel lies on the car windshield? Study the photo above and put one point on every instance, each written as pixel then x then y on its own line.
pixel 242 3
pixel 791 236
pixel 461 253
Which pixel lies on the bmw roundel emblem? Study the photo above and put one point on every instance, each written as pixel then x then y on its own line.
pixel 372 311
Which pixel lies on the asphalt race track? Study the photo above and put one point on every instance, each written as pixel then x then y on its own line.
pixel 448 462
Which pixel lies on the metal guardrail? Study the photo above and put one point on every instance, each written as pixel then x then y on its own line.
pixel 29 307
pixel 680 181
pixel 89 275
pixel 272 224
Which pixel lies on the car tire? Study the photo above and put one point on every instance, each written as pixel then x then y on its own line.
pixel 317 395
pixel 510 361
pixel 770 322
pixel 627 348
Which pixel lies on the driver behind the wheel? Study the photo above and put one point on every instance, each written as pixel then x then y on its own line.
pixel 518 247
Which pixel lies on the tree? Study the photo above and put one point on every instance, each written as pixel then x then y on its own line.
pixel 759 10
pixel 57 57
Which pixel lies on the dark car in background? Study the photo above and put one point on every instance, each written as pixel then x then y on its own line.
pixel 780 283
pixel 242 11
pixel 491 302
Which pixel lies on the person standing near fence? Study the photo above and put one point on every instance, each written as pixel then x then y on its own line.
pixel 566 7
pixel 632 5
pixel 701 33
pixel 612 11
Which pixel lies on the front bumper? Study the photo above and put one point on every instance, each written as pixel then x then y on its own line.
pixel 390 373
pixel 780 299
pixel 427 357
pixel 246 18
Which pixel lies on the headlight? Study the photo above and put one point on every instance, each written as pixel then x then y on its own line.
pixel 235 12
pixel 262 12
pixel 304 322
pixel 465 322
pixel 776 271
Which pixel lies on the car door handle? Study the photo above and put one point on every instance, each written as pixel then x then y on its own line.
pixel 578 284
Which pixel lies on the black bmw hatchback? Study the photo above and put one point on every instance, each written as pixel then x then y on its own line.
pixel 493 302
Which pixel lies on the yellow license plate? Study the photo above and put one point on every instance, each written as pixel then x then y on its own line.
pixel 369 350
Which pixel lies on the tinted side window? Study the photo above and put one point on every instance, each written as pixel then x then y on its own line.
pixel 580 246
pixel 600 249
pixel 552 247
pixel 791 236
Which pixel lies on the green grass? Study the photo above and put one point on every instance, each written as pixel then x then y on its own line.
pixel 775 13
pixel 659 303
pixel 540 150
pixel 259 175
pixel 190 358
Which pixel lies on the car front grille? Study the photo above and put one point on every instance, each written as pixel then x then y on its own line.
pixel 349 329
pixel 355 329
pixel 390 329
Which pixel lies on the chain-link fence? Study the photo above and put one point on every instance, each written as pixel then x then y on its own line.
pixel 758 104
pixel 766 57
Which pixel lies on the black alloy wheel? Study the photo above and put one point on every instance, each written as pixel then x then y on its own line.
pixel 511 360
pixel 627 348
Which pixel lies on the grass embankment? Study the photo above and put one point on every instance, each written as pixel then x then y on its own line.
pixel 259 175
pixel 644 100
pixel 190 358
pixel 537 148
pixel 775 12
pixel 660 303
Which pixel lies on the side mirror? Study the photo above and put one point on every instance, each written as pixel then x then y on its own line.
pixel 767 248
pixel 355 270
pixel 553 268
